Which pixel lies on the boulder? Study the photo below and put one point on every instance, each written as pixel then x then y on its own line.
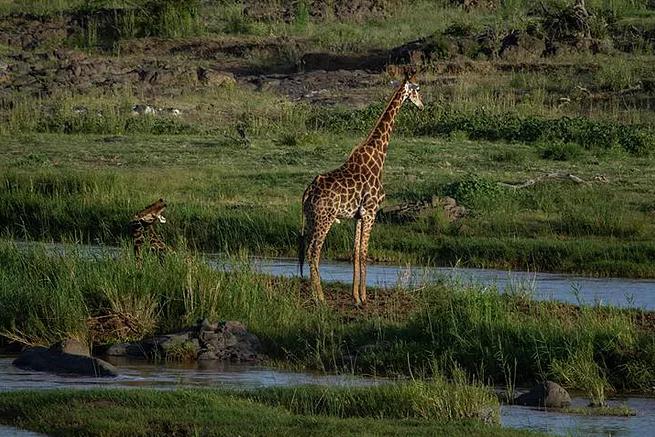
pixel 133 350
pixel 233 343
pixel 452 210
pixel 54 360
pixel 225 341
pixel 214 78
pixel 547 394
pixel 412 211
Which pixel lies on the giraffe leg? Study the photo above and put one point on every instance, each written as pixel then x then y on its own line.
pixel 367 226
pixel 356 262
pixel 319 232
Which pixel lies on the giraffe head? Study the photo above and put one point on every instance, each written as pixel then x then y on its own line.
pixel 152 213
pixel 411 89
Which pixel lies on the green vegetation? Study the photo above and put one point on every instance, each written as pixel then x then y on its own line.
pixel 213 413
pixel 513 91
pixel 459 332
pixel 227 197
pixel 431 400
pixel 228 110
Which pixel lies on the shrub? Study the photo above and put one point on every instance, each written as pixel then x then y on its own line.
pixel 508 155
pixel 560 151
pixel 469 191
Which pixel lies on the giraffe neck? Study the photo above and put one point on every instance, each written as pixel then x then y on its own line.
pixel 377 142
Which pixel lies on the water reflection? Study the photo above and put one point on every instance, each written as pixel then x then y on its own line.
pixel 619 292
pixel 554 422
pixel 139 373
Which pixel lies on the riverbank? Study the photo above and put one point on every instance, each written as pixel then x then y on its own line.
pixel 233 199
pixel 421 410
pixel 543 134
pixel 440 329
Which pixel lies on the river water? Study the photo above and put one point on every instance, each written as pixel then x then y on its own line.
pixel 582 290
pixel 543 286
pixel 140 374
pixel 621 292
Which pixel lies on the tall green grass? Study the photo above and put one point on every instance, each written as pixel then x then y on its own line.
pixel 552 228
pixel 481 124
pixel 432 400
pixel 221 412
pixel 493 119
pixel 451 328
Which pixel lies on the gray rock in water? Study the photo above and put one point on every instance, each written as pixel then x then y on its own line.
pixel 133 350
pixel 235 343
pixel 547 394
pixel 228 341
pixel 52 360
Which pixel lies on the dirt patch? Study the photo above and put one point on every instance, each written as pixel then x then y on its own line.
pixel 290 10
pixel 29 32
pixel 44 73
pixel 356 88
pixel 394 304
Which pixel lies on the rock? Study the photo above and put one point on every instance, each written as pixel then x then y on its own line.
pixel 547 394
pixel 412 211
pixel 207 355
pixel 229 341
pixel 126 350
pixel 208 336
pixel 52 360
pixel 234 343
pixel 452 210
pixel 204 325
pixel 214 78
pixel 70 346
pixel 143 110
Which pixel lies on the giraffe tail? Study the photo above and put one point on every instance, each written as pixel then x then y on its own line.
pixel 301 235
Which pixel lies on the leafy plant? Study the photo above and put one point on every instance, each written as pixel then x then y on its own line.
pixel 560 151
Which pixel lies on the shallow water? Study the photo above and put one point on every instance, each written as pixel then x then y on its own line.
pixel 10 431
pixel 621 292
pixel 554 422
pixel 544 286
pixel 140 373
pixel 583 290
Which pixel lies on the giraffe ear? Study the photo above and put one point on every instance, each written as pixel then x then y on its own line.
pixel 410 74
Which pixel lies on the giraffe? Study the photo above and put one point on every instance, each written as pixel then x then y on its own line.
pixel 142 225
pixel 353 190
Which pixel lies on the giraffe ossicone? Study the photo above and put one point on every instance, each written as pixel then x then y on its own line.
pixel 353 190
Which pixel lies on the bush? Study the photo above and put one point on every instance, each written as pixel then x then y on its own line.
pixel 636 142
pixel 104 27
pixel 560 151
pixel 493 126
pixel 508 155
pixel 469 191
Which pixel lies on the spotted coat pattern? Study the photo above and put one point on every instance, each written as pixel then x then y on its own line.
pixel 141 228
pixel 353 190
